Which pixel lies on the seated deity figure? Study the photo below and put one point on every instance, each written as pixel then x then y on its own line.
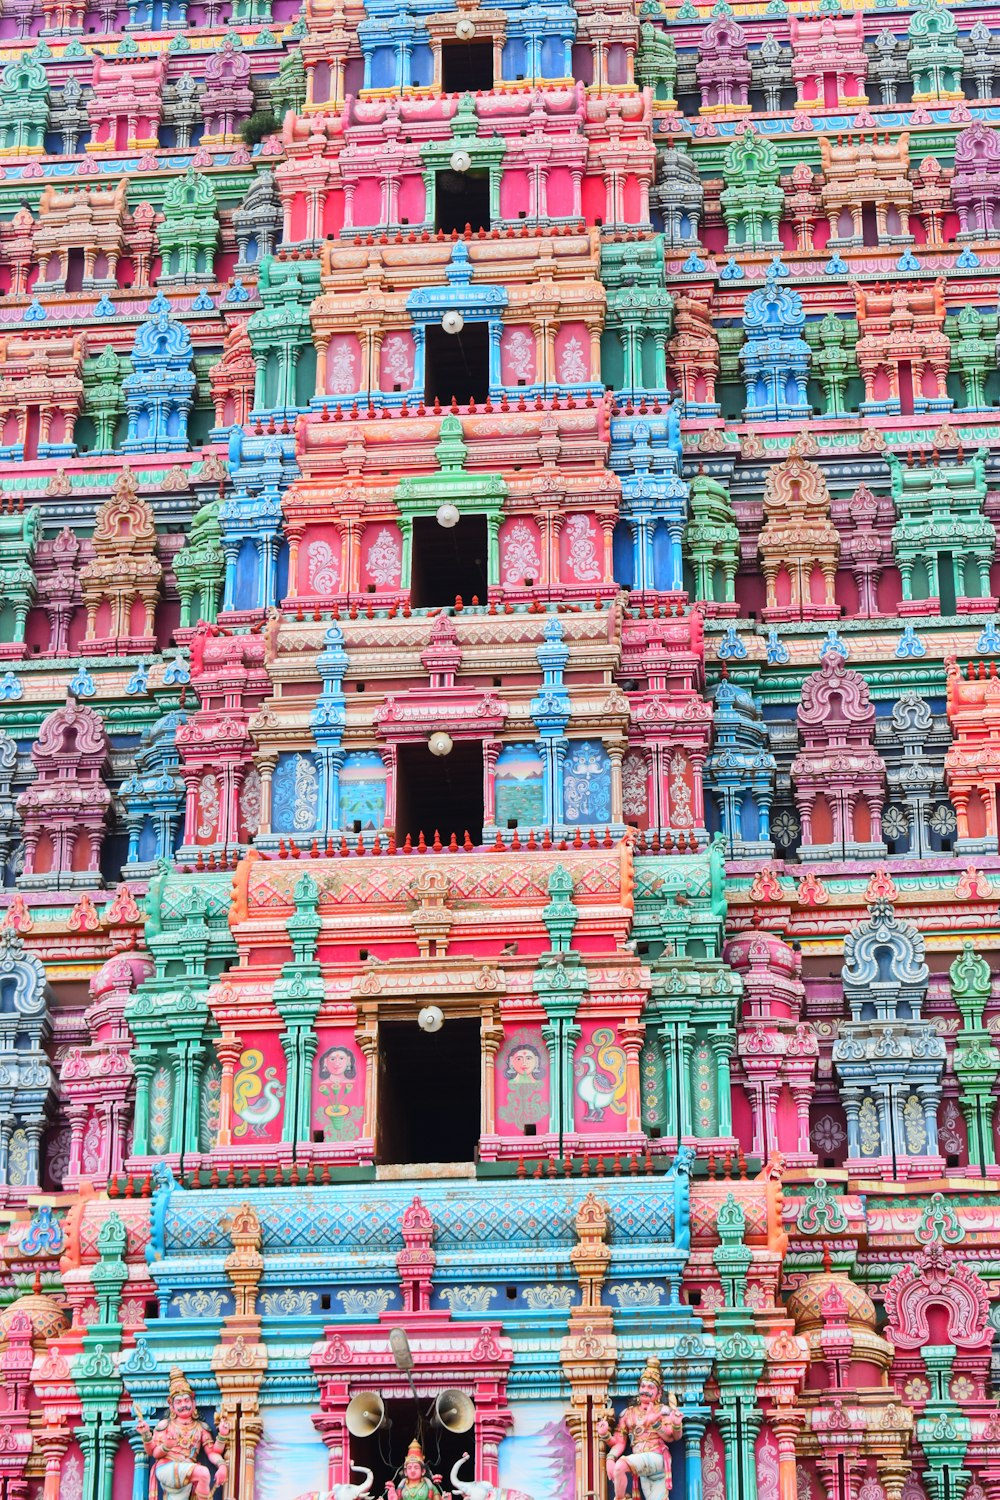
pixel 417 1483
pixel 176 1442
pixel 648 1427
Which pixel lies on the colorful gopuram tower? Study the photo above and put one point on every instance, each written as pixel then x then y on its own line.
pixel 499 750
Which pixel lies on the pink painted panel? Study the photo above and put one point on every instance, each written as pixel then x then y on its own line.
pixel 713 1468
pixel 595 202
pixel 259 1089
pixel 208 808
pixel 788 1121
pixel 632 196
pixel 102 620
pixel 299 217
pixel 517 355
pixel 320 561
pixel 123 1473
pixel 395 369
pixel 680 792
pixel 338 1086
pixel 71 1472
pixel 137 618
pixel 381 555
pixel 412 199
pixel 343 364
pixel 522 1082
pixel 573 354
pixel 520 552
pixel 846 591
pixel 782 588
pixel 767 1465
pixel 559 193
pixel 599 1080
pixel 742 1118
pixel 513 194
pixel 580 549
pixel 368 201
pixel 333 212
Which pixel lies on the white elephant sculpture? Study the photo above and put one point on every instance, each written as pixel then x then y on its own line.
pixel 344 1491
pixel 481 1489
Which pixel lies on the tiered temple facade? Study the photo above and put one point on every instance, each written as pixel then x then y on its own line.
pixel 499 749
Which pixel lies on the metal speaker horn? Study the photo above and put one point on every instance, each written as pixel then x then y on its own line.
pixel 454 1411
pixel 365 1414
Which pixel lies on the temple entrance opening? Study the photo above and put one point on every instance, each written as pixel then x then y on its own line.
pixel 448 562
pixel 385 1450
pixel 429 1105
pixel 462 201
pixel 467 67
pixel 457 364
pixel 440 793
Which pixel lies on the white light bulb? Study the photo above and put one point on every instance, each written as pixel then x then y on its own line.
pixel 431 1018
pixel 440 743
pixel 465 29
pixel 461 161
pixel 447 516
pixel 453 322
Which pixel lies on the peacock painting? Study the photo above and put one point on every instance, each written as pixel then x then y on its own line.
pixel 257 1095
pixel 600 1076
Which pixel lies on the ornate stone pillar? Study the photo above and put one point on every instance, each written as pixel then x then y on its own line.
pixel 367 1039
pixel 228 1048
pixel 491 1038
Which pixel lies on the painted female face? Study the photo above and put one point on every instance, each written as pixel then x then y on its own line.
pixel 413 1469
pixel 337 1062
pixel 524 1060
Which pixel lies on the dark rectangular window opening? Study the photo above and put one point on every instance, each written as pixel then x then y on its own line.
pixel 75 266
pixel 384 1451
pixel 448 562
pixel 461 201
pixel 946 584
pixel 467 66
pixel 457 364
pixel 869 225
pixel 440 793
pixel 429 1102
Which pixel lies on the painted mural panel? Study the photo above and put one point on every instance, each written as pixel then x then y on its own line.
pixel 539 1456
pixel 599 1073
pixel 522 1082
pixel 291 1459
pixel 319 563
pixel 338 1092
pixel 362 791
pixel 259 1089
pixel 520 552
pixel 381 556
pixel 295 788
pixel 587 782
pixel 520 787
pixel 581 550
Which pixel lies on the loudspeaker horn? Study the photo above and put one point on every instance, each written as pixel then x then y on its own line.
pixel 454 1411
pixel 365 1414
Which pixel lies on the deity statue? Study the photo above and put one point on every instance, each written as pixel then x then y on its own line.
pixel 176 1442
pixel 416 1483
pixel 649 1426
